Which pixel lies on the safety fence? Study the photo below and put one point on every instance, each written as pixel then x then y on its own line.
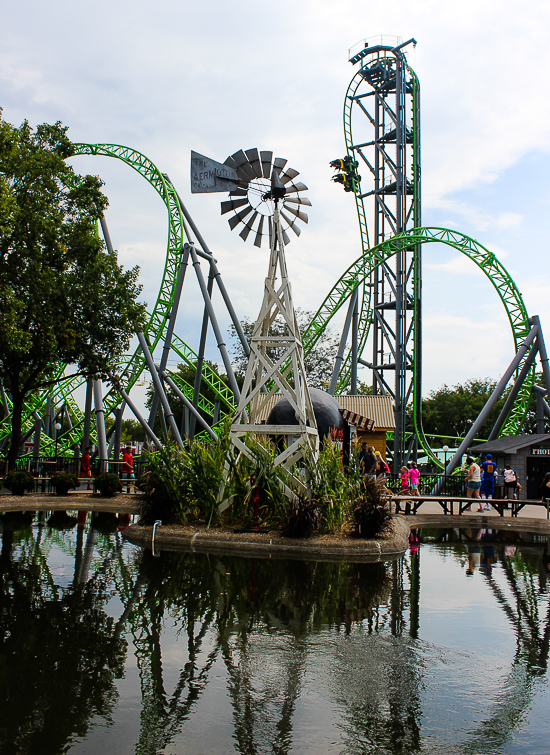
pixel 42 468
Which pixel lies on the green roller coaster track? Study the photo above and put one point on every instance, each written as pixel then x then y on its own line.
pixel 131 366
pixel 505 287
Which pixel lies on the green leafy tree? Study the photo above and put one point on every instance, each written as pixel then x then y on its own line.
pixel 63 298
pixel 452 411
pixel 319 362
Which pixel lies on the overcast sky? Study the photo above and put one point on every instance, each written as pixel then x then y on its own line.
pixel 168 77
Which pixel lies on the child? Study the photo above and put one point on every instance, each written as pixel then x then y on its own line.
pixel 414 478
pixel 127 468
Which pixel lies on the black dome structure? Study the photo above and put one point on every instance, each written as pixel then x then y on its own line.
pixel 325 407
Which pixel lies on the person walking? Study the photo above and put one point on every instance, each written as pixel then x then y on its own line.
pixel 86 466
pixel 544 489
pixel 489 474
pixel 127 467
pixel 382 468
pixel 414 478
pixel 510 481
pixel 473 481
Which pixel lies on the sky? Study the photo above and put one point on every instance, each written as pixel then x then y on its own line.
pixel 168 77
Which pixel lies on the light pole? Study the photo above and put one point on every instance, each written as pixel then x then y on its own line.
pixel 445 449
pixel 57 428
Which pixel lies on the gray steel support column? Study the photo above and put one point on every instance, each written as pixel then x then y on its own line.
pixel 170 331
pixel 217 275
pixel 100 422
pixel 542 351
pixel 136 413
pixel 493 398
pixel 541 415
pixel 217 406
pixel 118 433
pixel 342 345
pixel 37 433
pixel 514 392
pixel 87 414
pixel 200 359
pixel 160 389
pixel 5 407
pixel 219 338
pixel 106 234
pixel 189 406
pixel 184 429
pixel 48 417
pixel 354 329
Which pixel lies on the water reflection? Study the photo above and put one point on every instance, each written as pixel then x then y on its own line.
pixel 256 656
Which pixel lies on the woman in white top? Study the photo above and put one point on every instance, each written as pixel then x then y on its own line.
pixel 474 480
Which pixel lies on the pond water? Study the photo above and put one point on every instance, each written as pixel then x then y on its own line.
pixel 107 649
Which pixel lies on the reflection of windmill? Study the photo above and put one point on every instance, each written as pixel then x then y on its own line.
pixel 253 199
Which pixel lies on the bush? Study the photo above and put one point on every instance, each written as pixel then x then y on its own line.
pixel 19 481
pixel 303 518
pixel 108 484
pixel 371 512
pixel 63 481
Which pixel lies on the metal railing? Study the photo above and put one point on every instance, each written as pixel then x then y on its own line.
pixel 453 485
pixel 42 467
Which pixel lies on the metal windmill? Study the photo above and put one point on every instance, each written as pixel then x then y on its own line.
pixel 265 190
pixel 253 200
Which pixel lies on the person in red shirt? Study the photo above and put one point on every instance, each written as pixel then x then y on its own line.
pixel 86 466
pixel 127 468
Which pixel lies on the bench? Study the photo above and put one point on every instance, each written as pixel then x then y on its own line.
pixel 413 503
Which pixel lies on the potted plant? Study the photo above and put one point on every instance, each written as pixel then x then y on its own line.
pixel 19 481
pixel 63 481
pixel 108 484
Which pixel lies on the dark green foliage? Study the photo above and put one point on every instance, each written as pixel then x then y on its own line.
pixel 303 518
pixel 108 484
pixel 63 298
pixel 18 482
pixel 450 412
pixel 63 482
pixel 371 511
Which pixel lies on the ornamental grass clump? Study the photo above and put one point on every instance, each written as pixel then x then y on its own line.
pixel 371 512
pixel 303 518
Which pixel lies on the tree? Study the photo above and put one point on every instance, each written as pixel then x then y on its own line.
pixel 187 373
pixel 319 363
pixel 63 298
pixel 452 411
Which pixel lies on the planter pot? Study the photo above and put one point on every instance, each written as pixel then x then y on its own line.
pixel 61 491
pixel 18 491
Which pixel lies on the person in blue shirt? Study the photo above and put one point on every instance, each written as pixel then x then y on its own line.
pixel 489 474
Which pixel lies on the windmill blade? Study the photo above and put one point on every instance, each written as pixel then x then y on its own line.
pixel 270 229
pixel 233 204
pixel 294 200
pixel 239 217
pixel 279 163
pixel 267 158
pixel 248 227
pixel 286 238
pixel 244 169
pixel 296 212
pixel 288 175
pixel 258 239
pixel 296 187
pixel 231 163
pixel 244 193
pixel 292 224
pixel 254 160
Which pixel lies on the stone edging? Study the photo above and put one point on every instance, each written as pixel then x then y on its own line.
pixel 80 502
pixel 272 544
